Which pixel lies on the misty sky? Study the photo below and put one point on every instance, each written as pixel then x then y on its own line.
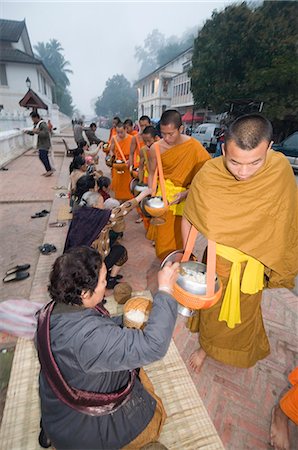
pixel 99 38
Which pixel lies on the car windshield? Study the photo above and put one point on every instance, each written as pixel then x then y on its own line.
pixel 291 141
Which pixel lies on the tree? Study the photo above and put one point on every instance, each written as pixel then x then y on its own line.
pixel 54 61
pixel 248 53
pixel 158 50
pixel 118 98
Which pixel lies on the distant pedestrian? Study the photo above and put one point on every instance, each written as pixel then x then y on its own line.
pixel 43 141
pixel 78 132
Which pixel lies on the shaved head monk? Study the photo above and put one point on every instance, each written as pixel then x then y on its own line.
pixel 182 157
pixel 137 142
pixel 245 201
pixel 120 146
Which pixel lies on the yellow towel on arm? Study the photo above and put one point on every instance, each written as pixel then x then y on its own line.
pixel 171 191
pixel 252 282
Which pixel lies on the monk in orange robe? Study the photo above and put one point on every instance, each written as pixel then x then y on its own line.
pixel 137 143
pixel 246 202
pixel 128 125
pixel 115 122
pixel 287 409
pixel 120 147
pixel 182 157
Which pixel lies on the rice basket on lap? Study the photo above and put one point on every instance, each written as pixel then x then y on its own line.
pixel 136 312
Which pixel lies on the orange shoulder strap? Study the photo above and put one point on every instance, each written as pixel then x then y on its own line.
pixel 211 258
pixel 160 174
pixel 119 149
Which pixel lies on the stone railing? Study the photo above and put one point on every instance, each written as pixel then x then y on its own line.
pixel 13 143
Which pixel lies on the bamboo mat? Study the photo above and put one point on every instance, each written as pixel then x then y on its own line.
pixel 63 213
pixel 188 425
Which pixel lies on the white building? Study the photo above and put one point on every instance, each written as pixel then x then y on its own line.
pixel 17 64
pixel 168 87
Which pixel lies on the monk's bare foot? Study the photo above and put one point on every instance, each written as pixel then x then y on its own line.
pixel 197 359
pixel 279 430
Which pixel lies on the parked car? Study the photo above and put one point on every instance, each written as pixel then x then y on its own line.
pixel 289 147
pixel 207 133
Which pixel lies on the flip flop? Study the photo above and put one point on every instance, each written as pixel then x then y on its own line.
pixel 39 214
pixel 18 269
pixel 57 224
pixel 45 211
pixel 17 276
pixel 46 249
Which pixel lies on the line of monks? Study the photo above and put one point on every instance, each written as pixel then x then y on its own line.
pixel 245 201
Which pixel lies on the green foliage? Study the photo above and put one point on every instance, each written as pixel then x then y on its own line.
pixel 58 67
pixel 248 53
pixel 119 98
pixel 158 50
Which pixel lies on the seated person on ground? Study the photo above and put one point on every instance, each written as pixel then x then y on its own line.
pixel 109 403
pixel 84 184
pixel 91 225
pixel 104 186
pixel 77 169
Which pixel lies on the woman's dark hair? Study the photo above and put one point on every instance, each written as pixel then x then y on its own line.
pixel 77 163
pixel 75 271
pixel 82 144
pixel 84 184
pixel 103 182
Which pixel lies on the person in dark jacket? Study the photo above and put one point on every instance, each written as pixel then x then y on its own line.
pixel 43 141
pixel 92 396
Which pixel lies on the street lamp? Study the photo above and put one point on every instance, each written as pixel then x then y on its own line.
pixel 28 83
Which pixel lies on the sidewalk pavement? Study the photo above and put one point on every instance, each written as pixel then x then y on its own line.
pixel 239 401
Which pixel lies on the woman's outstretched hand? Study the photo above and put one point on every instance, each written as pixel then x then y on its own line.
pixel 167 276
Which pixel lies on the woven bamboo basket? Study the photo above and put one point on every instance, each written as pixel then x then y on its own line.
pixel 142 304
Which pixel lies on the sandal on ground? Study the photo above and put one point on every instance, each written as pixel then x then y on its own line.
pixel 139 220
pixel 16 276
pixel 46 249
pixel 18 269
pixel 45 211
pixel 38 214
pixel 57 224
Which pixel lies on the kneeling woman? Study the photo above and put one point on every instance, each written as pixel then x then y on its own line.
pixel 91 225
pixel 91 395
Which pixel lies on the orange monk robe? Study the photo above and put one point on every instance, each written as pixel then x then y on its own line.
pixel 289 402
pixel 113 132
pixel 139 144
pixel 257 216
pixel 133 133
pixel 120 174
pixel 180 164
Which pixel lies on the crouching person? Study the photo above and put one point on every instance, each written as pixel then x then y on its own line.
pixel 92 394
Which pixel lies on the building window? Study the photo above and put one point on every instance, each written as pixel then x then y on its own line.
pixel 163 108
pixel 1 107
pixel 143 90
pixel 3 77
pixel 152 86
pixel 142 110
pixel 151 111
pixel 44 86
pixel 38 80
pixel 165 85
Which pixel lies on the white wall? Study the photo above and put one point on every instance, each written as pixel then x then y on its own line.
pixel 13 144
pixel 16 78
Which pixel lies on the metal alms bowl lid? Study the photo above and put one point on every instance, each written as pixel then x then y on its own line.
pixel 155 202
pixel 140 187
pixel 192 277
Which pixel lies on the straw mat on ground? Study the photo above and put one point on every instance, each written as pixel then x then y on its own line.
pixel 20 424
pixel 63 213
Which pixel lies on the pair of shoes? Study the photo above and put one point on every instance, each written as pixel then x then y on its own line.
pixel 49 173
pixel 4 168
pixel 112 281
pixel 42 213
pixel 16 276
pixel 17 273
pixel 57 224
pixel 18 269
pixel 46 249
pixel 62 195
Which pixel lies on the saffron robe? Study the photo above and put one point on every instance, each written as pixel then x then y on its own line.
pixel 120 174
pixel 258 217
pixel 289 402
pixel 180 164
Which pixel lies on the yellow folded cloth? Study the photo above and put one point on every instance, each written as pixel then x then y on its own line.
pixel 171 191
pixel 252 282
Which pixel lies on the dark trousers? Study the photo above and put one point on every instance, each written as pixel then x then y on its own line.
pixel 44 158
pixel 117 256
